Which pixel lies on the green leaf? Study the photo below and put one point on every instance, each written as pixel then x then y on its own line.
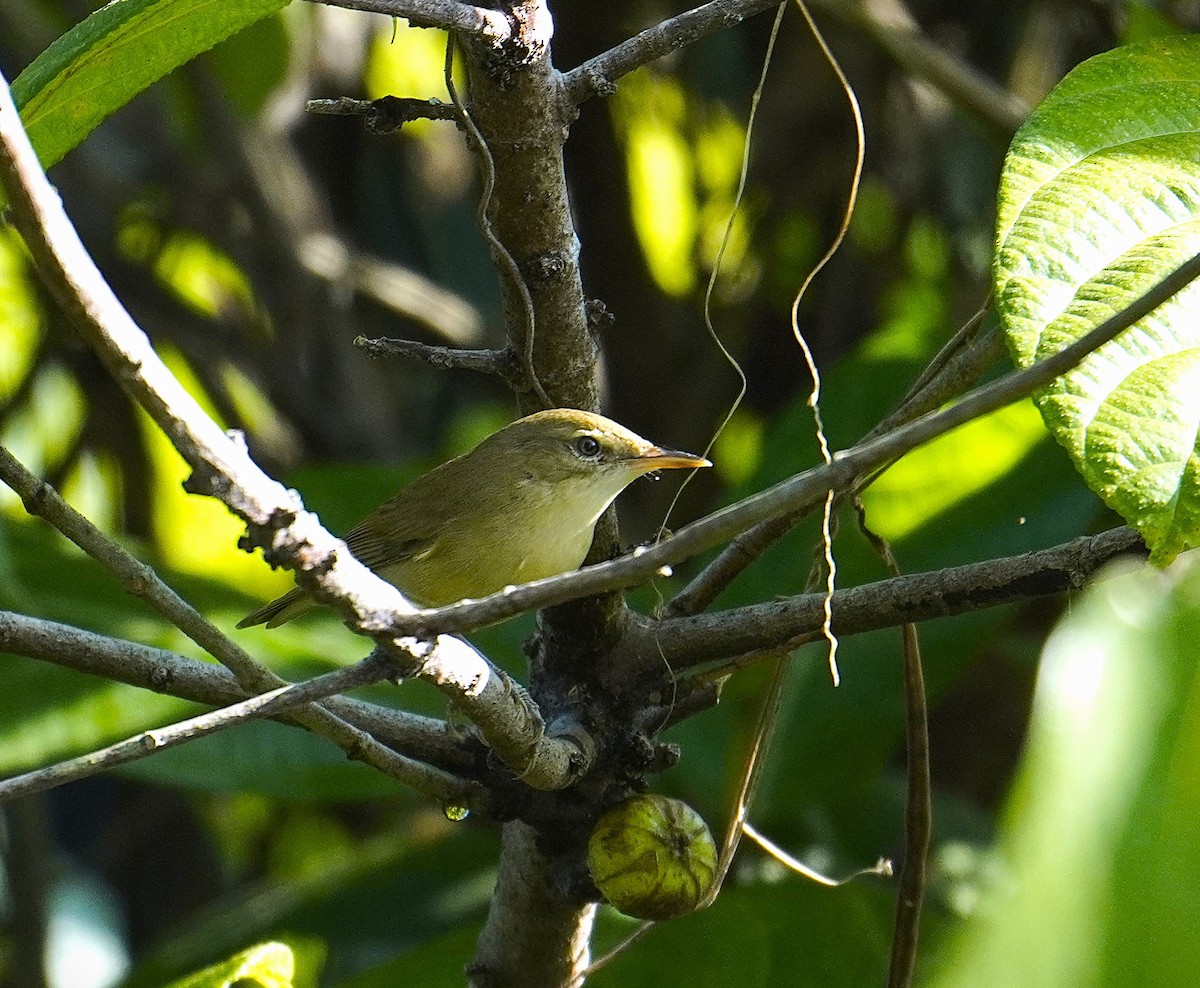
pixel 788 931
pixel 1101 839
pixel 1099 201
pixel 437 963
pixel 111 56
pixel 268 965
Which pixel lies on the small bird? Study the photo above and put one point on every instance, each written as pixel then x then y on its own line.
pixel 520 506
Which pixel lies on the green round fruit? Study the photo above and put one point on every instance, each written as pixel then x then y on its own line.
pixel 652 857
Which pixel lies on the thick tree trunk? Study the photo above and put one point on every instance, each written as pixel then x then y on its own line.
pixel 533 938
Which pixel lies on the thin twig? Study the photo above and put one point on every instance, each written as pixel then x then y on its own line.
pixel 501 363
pixel 705 639
pixel 597 76
pixel 43 501
pixel 751 775
pixel 895 30
pixel 164 672
pixel 918 809
pixel 370 670
pixel 918 818
pixel 385 115
pixel 490 25
pixel 936 369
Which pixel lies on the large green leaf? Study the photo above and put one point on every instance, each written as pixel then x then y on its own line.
pixel 112 55
pixel 1101 843
pixel 1099 200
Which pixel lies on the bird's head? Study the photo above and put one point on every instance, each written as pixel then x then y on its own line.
pixel 586 458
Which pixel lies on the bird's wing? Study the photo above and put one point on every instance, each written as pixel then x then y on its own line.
pixel 379 553
pixel 409 534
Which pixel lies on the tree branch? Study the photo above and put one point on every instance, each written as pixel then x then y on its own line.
pixel 488 25
pixel 420 737
pixel 343 727
pixel 782 625
pixel 894 29
pixel 501 363
pixel 385 115
pixel 597 76
pixel 369 670
pixel 40 499
pixel 290 536
pixel 164 672
pixel 533 936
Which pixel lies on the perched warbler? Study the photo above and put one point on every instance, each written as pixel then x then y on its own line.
pixel 520 506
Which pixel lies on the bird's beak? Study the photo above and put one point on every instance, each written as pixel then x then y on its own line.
pixel 656 458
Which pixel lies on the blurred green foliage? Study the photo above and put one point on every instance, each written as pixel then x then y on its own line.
pixel 1099 840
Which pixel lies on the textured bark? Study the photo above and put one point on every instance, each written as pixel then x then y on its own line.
pixel 534 937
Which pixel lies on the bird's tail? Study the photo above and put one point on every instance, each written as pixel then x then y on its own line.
pixel 291 604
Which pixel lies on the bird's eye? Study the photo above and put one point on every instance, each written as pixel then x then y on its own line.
pixel 588 447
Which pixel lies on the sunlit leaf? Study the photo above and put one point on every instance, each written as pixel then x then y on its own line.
pixel 650 114
pixel 935 477
pixel 1099 201
pixel 195 534
pixel 269 965
pixel 19 316
pixel 202 276
pixel 112 55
